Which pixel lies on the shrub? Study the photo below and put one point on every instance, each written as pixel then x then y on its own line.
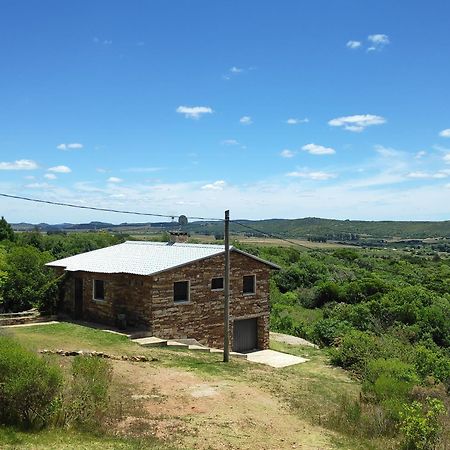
pixel 29 386
pixel 327 292
pixel 327 331
pixel 87 400
pixel 354 351
pixel 420 424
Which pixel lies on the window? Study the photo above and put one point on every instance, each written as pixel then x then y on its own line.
pixel 181 291
pixel 248 284
pixel 217 284
pixel 99 290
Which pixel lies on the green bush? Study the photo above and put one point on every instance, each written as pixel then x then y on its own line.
pixel 327 331
pixel 29 386
pixel 86 403
pixel 420 424
pixel 354 351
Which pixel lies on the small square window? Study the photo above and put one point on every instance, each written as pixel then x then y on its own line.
pixel 181 291
pixel 99 290
pixel 248 284
pixel 217 284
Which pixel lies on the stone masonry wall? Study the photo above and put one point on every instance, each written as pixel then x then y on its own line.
pixel 202 317
pixel 148 301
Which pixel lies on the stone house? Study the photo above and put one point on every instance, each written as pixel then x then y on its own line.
pixel 173 290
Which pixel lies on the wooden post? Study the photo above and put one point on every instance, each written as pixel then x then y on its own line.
pixel 226 290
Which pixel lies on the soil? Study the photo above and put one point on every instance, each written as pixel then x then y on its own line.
pixel 209 414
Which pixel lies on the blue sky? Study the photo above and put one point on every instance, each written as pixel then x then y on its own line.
pixel 336 109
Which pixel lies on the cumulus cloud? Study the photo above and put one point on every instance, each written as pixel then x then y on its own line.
pixel 312 175
pixel 216 186
pixel 353 44
pixel 286 153
pixel 357 122
pixel 194 112
pixel 294 121
pixel 50 176
pixel 445 133
pixel 72 146
pixel 20 164
pixel 114 180
pixel 246 120
pixel 315 149
pixel 60 169
pixel 377 42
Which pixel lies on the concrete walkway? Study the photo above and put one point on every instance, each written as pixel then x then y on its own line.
pixel 291 340
pixel 275 359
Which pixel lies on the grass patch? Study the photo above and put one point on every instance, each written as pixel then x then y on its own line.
pixel 69 439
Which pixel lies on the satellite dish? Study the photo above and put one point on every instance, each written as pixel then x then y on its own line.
pixel 182 221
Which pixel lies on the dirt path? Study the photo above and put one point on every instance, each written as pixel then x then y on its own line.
pixel 214 414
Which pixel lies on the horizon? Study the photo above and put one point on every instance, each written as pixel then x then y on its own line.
pixel 315 109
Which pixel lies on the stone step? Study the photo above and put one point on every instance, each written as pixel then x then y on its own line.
pixel 176 344
pixel 235 354
pixel 151 341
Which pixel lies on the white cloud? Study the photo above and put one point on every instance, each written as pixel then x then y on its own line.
pixel 445 133
pixel 357 122
pixel 230 142
pixel 194 112
pixel 72 146
pixel 20 164
pixel 101 170
pixel 286 153
pixel 216 186
pixel 420 155
pixel 235 69
pixel 50 176
pixel 377 41
pixel 315 149
pixel 353 44
pixel 429 175
pixel 446 158
pixel 38 186
pixel 60 169
pixel 114 180
pixel 294 121
pixel 246 120
pixel 312 175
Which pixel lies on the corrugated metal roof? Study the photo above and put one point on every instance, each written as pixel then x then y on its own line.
pixel 138 257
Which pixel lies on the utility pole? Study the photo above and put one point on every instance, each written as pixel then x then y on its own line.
pixel 226 290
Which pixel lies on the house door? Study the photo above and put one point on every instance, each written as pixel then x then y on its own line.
pixel 245 335
pixel 78 299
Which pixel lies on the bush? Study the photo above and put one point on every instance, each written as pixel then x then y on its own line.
pixel 29 386
pixel 87 400
pixel 327 331
pixel 354 351
pixel 420 425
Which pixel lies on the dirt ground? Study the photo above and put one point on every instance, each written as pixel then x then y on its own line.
pixel 192 412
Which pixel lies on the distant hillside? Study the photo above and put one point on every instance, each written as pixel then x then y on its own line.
pixel 307 228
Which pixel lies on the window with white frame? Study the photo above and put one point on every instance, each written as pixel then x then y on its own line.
pixel 181 291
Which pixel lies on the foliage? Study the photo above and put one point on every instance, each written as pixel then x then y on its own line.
pixel 86 403
pixel 29 386
pixel 420 424
pixel 6 231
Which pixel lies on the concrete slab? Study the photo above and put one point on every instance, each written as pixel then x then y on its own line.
pixel 200 348
pixel 151 342
pixel 275 359
pixel 176 344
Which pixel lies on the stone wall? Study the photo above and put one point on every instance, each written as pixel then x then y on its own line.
pixel 202 317
pixel 148 301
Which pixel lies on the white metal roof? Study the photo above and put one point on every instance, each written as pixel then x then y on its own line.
pixel 141 257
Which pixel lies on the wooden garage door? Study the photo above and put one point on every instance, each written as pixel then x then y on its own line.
pixel 245 335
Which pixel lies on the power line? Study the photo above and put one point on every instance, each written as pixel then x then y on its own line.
pixel 93 208
pixel 170 216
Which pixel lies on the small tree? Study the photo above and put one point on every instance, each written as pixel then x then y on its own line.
pixel 6 231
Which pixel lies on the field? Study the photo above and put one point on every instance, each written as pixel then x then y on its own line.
pixel 193 400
